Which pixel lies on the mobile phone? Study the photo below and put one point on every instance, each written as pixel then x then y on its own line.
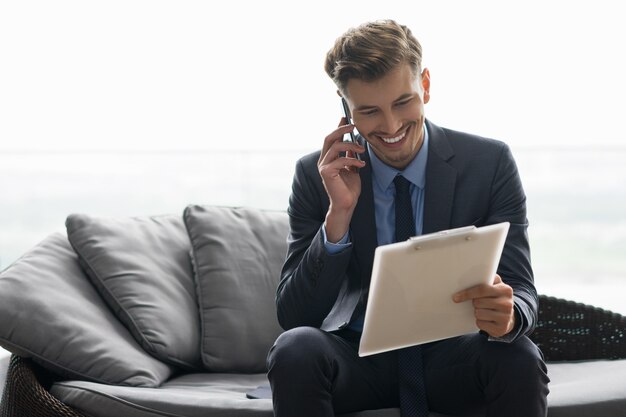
pixel 346 113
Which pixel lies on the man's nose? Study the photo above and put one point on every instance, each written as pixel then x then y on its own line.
pixel 390 123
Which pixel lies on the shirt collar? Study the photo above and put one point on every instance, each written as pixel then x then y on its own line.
pixel 415 172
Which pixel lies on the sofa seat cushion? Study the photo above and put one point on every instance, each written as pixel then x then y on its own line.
pixel 584 389
pixel 587 389
pixel 201 395
pixel 193 395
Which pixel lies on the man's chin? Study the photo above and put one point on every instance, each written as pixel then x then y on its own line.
pixel 398 161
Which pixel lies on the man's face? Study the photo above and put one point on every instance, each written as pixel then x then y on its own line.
pixel 389 113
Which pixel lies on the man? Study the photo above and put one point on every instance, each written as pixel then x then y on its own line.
pixel 341 208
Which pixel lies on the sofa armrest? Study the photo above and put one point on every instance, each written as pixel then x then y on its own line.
pixel 26 392
pixel 571 331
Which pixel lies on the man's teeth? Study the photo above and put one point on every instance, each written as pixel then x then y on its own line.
pixel 394 140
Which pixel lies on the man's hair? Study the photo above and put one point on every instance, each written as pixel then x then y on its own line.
pixel 370 51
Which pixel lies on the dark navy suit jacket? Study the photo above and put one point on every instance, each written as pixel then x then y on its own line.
pixel 470 180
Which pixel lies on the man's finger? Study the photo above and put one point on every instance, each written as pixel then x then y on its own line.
pixel 334 137
pixel 493 329
pixel 483 290
pixel 494 303
pixel 470 293
pixel 336 148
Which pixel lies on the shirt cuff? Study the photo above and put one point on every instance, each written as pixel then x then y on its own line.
pixel 333 248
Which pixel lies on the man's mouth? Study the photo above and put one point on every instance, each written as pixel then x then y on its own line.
pixel 394 139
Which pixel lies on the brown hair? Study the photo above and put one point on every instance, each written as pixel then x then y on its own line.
pixel 369 51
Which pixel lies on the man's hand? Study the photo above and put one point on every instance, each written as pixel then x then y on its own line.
pixel 341 180
pixel 493 306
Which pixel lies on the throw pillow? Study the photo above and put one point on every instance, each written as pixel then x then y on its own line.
pixel 49 311
pixel 141 268
pixel 238 254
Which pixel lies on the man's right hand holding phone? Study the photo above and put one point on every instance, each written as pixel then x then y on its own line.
pixel 340 175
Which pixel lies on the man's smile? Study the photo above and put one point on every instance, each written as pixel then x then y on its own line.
pixel 398 137
pixel 394 140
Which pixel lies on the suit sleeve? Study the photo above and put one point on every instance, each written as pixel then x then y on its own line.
pixel 508 203
pixel 311 277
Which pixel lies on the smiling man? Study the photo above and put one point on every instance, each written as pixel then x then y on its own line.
pixel 413 177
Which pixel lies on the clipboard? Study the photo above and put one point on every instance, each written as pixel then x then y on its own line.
pixel 410 294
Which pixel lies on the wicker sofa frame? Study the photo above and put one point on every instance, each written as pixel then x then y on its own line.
pixel 566 331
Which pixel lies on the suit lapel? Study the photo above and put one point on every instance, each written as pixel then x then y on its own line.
pixel 440 182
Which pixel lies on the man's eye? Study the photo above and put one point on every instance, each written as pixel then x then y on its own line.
pixel 404 103
pixel 368 112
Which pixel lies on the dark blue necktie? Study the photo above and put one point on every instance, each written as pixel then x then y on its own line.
pixel 410 368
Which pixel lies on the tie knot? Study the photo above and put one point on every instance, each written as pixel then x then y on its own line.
pixel 401 183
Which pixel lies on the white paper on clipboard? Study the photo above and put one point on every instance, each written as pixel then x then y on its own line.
pixel 410 296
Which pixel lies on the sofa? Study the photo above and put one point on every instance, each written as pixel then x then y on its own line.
pixel 173 315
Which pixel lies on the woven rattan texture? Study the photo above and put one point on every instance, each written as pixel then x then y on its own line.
pixel 570 331
pixel 25 396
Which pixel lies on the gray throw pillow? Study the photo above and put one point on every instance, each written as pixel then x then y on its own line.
pixel 238 254
pixel 141 268
pixel 49 311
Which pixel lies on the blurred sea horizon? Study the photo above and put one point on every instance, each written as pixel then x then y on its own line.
pixel 576 202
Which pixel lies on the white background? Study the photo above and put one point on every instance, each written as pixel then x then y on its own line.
pixel 162 75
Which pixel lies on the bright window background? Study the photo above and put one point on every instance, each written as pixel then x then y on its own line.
pixel 142 107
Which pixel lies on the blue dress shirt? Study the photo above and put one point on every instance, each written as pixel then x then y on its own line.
pixel 384 197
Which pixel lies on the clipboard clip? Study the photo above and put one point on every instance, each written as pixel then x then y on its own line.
pixel 451 232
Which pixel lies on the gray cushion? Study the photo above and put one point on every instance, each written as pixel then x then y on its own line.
pixel 587 389
pixel 193 395
pixel 238 254
pixel 50 311
pixel 196 395
pixel 142 270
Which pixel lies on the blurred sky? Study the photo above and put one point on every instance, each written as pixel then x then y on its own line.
pixel 163 75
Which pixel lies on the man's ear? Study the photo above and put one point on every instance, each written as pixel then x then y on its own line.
pixel 339 93
pixel 426 84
